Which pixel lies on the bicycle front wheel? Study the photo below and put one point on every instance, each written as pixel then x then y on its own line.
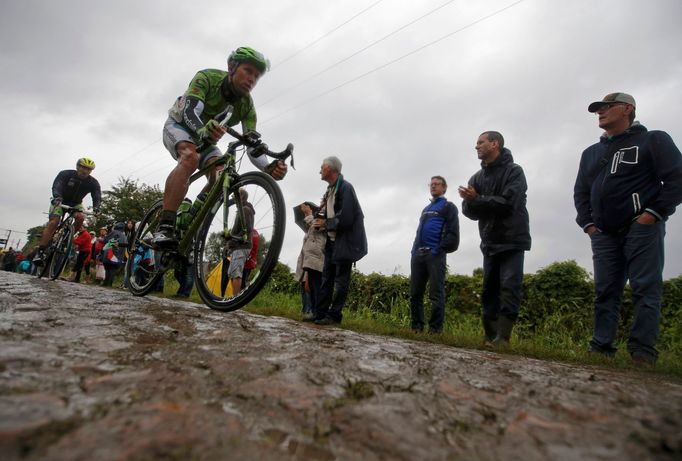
pixel 144 263
pixel 61 249
pixel 212 273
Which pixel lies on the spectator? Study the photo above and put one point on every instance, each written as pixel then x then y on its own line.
pixel 9 260
pixel 437 235
pixel 496 198
pixel 342 219
pixel 311 258
pixel 251 263
pixel 82 241
pixel 238 247
pixel 29 257
pixel 185 277
pixel 112 253
pixel 24 267
pixel 130 235
pixel 97 246
pixel 628 184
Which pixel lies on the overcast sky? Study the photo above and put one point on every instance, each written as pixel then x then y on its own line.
pixel 396 93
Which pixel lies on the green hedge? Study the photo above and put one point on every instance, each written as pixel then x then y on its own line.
pixel 557 301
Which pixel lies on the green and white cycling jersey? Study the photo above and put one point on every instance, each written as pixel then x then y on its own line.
pixel 210 89
pixel 208 97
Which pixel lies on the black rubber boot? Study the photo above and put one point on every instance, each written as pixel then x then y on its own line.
pixel 504 331
pixel 489 328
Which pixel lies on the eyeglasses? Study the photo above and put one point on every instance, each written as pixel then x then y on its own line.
pixel 608 106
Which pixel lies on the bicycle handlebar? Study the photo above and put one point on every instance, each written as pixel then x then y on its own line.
pixel 252 140
pixel 73 208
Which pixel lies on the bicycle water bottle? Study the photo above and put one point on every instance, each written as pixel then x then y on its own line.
pixel 183 216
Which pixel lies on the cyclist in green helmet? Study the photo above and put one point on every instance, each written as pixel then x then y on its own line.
pixel 194 121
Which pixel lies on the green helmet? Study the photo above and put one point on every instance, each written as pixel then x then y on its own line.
pixel 246 54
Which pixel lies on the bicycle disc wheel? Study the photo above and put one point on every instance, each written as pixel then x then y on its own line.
pixel 61 249
pixel 144 263
pixel 210 264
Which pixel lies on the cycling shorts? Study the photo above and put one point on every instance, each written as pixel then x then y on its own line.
pixel 236 268
pixel 57 211
pixel 175 133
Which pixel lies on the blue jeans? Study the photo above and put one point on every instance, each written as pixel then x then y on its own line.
pixel 185 277
pixel 635 254
pixel 309 298
pixel 334 287
pixel 502 281
pixel 427 267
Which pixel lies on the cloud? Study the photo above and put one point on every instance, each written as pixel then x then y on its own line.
pixel 92 77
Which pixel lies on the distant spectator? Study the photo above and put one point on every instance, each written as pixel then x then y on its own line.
pixel 185 277
pixel 82 241
pixel 24 267
pixel 112 253
pixel 237 247
pixel 100 272
pixel 251 263
pixel 130 235
pixel 9 260
pixel 311 258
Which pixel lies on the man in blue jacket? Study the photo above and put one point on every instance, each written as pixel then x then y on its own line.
pixel 437 235
pixel 496 198
pixel 627 186
pixel 342 217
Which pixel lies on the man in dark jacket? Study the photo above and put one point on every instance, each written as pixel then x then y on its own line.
pixel 496 198
pixel 341 215
pixel 627 186
pixel 437 235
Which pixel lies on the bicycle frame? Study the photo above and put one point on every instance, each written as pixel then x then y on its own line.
pixel 222 185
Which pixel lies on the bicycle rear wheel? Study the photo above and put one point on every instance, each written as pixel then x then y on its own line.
pixel 144 263
pixel 61 249
pixel 210 265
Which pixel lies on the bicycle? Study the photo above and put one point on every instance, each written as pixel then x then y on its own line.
pixel 58 252
pixel 203 241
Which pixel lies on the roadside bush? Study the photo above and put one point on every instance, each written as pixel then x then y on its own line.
pixel 557 303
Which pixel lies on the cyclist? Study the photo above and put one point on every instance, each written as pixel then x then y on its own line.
pixel 69 188
pixel 192 130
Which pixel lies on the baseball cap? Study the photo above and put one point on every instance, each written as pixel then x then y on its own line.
pixel 610 98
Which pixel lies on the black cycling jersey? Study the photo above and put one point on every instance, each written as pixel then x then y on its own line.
pixel 71 189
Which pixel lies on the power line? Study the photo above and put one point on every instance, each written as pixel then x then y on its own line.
pixel 354 79
pixel 102 173
pixel 404 26
pixel 328 33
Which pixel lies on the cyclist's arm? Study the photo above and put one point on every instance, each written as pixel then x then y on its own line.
pixel 58 184
pixel 249 124
pixel 96 194
pixel 191 114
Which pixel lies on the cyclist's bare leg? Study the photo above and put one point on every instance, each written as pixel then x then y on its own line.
pixel 236 285
pixel 177 182
pixel 52 225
